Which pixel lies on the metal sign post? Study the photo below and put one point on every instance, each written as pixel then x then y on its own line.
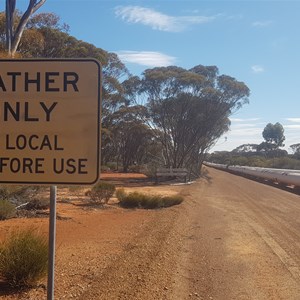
pixel 52 234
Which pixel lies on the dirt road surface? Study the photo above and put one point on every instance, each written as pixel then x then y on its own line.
pixel 232 238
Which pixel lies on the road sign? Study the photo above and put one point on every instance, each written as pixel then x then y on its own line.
pixel 50 121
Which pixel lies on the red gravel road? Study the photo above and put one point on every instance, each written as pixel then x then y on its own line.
pixel 232 238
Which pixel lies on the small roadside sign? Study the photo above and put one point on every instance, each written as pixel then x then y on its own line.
pixel 50 121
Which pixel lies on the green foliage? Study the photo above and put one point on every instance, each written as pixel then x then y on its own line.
pixel 296 150
pixel 284 163
pixel 7 210
pixel 258 160
pixel 24 258
pixel 101 192
pixel 139 200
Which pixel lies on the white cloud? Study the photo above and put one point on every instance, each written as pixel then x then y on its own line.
pixel 257 69
pixel 157 20
pixel 249 127
pixel 233 17
pixel 295 120
pixel 243 120
pixel 147 58
pixel 247 131
pixel 262 23
pixel 292 126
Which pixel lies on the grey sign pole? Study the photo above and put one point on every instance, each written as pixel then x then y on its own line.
pixel 52 234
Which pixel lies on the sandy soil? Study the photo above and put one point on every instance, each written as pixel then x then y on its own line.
pixel 232 238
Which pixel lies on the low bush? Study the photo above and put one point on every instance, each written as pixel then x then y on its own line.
pixel 172 200
pixel 105 168
pixel 37 204
pixel 139 200
pixel 113 166
pixel 120 194
pixel 24 258
pixel 149 170
pixel 101 192
pixel 19 194
pixel 77 190
pixel 4 192
pixel 7 209
pixel 134 169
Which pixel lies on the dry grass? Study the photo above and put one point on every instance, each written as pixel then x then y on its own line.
pixel 24 258
pixel 140 200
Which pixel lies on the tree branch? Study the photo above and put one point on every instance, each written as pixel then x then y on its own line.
pixel 10 9
pixel 33 6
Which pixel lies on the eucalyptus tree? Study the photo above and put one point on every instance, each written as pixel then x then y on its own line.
pixel 296 150
pixel 274 135
pixel 190 108
pixel 245 148
pixel 128 138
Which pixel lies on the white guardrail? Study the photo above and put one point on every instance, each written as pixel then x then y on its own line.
pixel 285 176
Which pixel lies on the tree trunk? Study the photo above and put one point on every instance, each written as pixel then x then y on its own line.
pixel 13 38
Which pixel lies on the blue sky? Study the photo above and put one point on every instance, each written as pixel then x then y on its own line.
pixel 257 42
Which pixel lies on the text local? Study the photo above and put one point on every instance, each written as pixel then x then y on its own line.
pixel 39 81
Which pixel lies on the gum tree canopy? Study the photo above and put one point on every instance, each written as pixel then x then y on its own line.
pixel 190 108
pixel 274 135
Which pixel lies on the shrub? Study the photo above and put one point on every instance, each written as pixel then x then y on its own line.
pixel 113 166
pixel 101 192
pixel 120 194
pixel 172 200
pixel 4 192
pixel 105 168
pixel 7 210
pixel 134 169
pixel 140 200
pixel 37 204
pixel 18 194
pixel 149 170
pixel 132 200
pixel 24 258
pixel 76 190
